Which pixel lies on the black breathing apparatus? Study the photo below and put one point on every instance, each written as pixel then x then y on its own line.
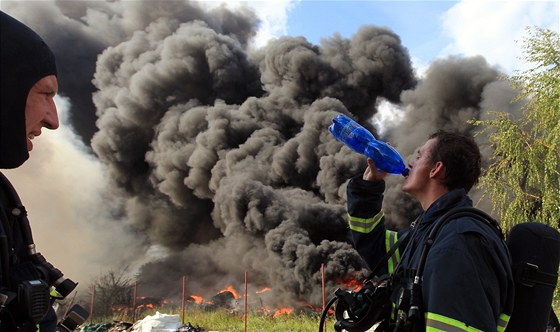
pixel 362 309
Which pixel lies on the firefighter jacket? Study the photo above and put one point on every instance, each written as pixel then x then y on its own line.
pixel 15 268
pixel 467 281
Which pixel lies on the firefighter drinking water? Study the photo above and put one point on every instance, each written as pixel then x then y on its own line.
pixel 466 281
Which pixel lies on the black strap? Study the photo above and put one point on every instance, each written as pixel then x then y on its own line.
pixel 17 209
pixel 388 255
pixel 394 248
pixel 5 231
pixel 466 211
pixel 13 207
pixel 553 321
pixel 414 314
pixel 530 275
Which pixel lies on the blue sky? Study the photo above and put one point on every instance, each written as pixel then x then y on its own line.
pixel 428 29
pixel 415 22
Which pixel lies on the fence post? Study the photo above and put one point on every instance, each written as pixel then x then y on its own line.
pixel 134 294
pixel 183 301
pixel 245 305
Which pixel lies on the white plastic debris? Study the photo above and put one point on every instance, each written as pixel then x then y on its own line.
pixel 158 323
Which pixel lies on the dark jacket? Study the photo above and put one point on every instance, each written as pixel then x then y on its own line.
pixel 17 267
pixel 467 281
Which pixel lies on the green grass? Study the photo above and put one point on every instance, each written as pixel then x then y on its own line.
pixel 227 321
pixel 223 320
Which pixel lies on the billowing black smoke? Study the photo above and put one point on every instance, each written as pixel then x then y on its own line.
pixel 221 151
pixel 80 30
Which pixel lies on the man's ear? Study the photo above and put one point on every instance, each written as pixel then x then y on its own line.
pixel 438 170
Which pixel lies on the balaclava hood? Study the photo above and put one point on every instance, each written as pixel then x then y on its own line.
pixel 24 60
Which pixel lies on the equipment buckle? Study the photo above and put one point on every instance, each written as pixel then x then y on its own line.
pixel 527 274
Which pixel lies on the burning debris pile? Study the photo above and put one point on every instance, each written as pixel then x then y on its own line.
pixel 219 152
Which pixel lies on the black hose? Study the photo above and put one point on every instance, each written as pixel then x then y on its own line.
pixel 325 313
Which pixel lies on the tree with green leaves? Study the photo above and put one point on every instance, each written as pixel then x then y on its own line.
pixel 523 179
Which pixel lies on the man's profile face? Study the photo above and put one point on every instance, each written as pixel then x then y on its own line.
pixel 420 168
pixel 40 109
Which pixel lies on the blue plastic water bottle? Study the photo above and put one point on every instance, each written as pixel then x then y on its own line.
pixel 359 139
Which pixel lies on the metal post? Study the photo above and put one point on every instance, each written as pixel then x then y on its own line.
pixel 245 305
pixel 323 283
pixel 323 290
pixel 183 301
pixel 135 289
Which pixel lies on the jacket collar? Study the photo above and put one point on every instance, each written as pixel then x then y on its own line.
pixel 452 199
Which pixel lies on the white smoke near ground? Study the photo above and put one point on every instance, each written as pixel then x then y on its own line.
pixel 73 219
pixel 219 153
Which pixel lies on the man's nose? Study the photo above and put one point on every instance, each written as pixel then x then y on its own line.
pixel 51 118
pixel 410 162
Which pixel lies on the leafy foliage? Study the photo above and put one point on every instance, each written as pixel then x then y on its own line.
pixel 523 180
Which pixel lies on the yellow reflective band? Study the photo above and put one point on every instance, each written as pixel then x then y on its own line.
pixel 364 225
pixel 435 322
pixel 390 239
pixel 503 321
pixel 54 292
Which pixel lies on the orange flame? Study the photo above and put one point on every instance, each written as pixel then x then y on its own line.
pixel 266 289
pixel 229 288
pixel 350 282
pixel 197 299
pixel 283 311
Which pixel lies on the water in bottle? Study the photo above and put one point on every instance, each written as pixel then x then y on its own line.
pixel 359 139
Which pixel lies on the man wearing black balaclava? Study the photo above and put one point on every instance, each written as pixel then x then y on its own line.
pixel 28 86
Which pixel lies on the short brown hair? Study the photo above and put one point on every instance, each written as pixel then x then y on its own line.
pixel 460 155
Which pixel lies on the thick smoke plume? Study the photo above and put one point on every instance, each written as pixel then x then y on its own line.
pixel 220 151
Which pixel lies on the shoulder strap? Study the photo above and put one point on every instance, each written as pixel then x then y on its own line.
pixel 5 233
pixel 388 255
pixel 553 320
pixel 466 211
pixel 416 289
pixel 17 208
pixel 394 248
pixel 12 205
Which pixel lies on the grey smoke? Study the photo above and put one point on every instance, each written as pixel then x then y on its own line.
pixel 453 91
pixel 221 153
pixel 79 31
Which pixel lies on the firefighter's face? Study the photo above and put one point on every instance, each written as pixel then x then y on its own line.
pixel 40 109
pixel 420 168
